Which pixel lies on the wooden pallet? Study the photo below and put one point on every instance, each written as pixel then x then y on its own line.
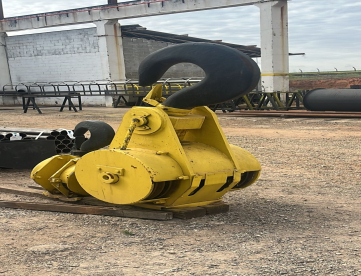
pixel 89 205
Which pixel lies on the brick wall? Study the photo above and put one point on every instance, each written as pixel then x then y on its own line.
pixel 55 56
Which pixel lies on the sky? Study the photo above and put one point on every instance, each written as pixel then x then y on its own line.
pixel 327 31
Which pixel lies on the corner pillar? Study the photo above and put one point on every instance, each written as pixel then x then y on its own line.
pixel 111 52
pixel 4 63
pixel 111 49
pixel 274 46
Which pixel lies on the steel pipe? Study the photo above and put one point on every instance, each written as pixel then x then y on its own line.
pixel 333 100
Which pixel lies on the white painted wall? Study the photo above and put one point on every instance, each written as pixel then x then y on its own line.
pixel 93 54
pixel 55 57
pixel 72 55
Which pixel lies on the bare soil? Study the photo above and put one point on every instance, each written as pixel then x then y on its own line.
pixel 308 84
pixel 302 217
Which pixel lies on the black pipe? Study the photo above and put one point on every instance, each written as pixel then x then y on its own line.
pixel 333 100
pixel 66 141
pixel 229 73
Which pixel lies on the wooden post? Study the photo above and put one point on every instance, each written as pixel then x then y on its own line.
pixel 110 2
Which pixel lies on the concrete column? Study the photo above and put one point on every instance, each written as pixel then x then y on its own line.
pixel 4 63
pixel 111 51
pixel 274 46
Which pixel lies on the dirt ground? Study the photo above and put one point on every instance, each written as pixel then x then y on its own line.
pixel 302 217
pixel 324 83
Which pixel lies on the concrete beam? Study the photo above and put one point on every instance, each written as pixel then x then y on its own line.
pixel 274 46
pixel 125 10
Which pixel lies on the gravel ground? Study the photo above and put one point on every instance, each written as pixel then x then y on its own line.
pixel 301 218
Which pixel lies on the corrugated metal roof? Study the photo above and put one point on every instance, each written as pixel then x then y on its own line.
pixel 138 31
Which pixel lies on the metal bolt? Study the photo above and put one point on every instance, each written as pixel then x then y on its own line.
pixel 161 152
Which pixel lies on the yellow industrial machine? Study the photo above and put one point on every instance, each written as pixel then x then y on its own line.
pixel 160 157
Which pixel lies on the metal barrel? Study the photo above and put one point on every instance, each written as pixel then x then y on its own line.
pixel 333 100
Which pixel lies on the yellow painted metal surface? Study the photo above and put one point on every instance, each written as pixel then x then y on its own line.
pixel 45 169
pixel 135 172
pixel 160 157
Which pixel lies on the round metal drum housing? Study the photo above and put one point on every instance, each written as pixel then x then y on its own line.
pixel 333 100
pixel 124 176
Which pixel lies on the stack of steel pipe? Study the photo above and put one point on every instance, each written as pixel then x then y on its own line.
pixel 63 138
pixel 6 136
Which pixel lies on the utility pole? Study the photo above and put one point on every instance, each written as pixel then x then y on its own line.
pixel 2 11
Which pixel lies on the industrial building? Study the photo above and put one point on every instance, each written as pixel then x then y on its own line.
pixel 111 52
pixel 76 56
